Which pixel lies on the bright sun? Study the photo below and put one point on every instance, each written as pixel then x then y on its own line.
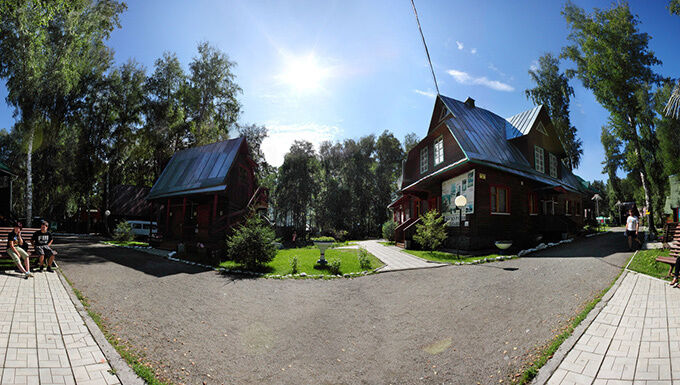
pixel 303 73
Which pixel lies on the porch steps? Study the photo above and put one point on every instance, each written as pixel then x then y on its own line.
pixel 400 244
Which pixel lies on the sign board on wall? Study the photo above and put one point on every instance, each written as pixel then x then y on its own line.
pixel 463 184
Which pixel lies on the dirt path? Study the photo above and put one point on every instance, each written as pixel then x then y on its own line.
pixel 457 324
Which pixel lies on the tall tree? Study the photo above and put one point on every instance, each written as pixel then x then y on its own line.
pixel 613 60
pixel 44 50
pixel 668 132
pixel 554 92
pixel 389 155
pixel 410 141
pixel 672 108
pixel 296 185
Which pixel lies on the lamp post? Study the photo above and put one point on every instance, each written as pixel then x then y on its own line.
pixel 597 198
pixel 460 203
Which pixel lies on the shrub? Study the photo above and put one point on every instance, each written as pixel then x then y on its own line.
pixel 323 239
pixel 340 235
pixel 364 260
pixel 123 232
pixel 334 266
pixel 294 265
pixel 388 230
pixel 252 244
pixel 431 233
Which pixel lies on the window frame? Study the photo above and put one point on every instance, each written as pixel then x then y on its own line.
pixel 440 141
pixel 553 164
pixel 567 207
pixel 533 204
pixel 541 158
pixel 540 128
pixel 424 151
pixel 492 203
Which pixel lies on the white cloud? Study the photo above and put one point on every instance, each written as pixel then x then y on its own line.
pixel 282 136
pixel 428 93
pixel 496 70
pixel 473 51
pixel 534 65
pixel 459 44
pixel 465 78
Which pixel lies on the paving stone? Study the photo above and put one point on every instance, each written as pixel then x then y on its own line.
pixel 654 349
pixel 653 369
pixel 57 376
pixel 22 341
pixel 21 358
pixel 623 348
pixel 21 376
pixel 618 368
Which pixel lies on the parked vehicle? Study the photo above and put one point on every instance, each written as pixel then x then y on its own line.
pixel 141 228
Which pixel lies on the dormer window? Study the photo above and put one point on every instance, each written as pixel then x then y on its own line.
pixel 444 113
pixel 438 150
pixel 541 129
pixel 553 166
pixel 539 159
pixel 423 160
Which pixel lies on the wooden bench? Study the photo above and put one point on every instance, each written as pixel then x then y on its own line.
pixel 26 234
pixel 671 240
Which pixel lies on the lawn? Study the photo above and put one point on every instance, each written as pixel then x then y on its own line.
pixel 307 257
pixel 442 256
pixel 644 263
pixel 127 243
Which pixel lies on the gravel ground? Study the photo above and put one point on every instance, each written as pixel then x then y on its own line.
pixel 457 325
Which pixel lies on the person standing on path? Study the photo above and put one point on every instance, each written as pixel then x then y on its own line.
pixel 632 228
pixel 42 240
pixel 14 243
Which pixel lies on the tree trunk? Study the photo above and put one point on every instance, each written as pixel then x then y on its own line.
pixel 643 178
pixel 29 175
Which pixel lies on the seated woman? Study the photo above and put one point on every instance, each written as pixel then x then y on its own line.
pixel 14 244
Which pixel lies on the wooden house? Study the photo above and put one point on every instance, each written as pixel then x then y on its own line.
pixel 6 177
pixel 205 191
pixel 510 171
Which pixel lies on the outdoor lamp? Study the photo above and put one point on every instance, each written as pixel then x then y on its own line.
pixel 460 203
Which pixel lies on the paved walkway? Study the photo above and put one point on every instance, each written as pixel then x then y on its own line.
pixel 395 258
pixel 43 339
pixel 634 340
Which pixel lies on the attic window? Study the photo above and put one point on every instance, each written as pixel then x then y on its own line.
pixel 445 112
pixel 541 129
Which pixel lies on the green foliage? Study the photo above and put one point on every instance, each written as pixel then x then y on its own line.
pixel 294 265
pixel 388 230
pixel 334 266
pixel 123 232
pixel 323 239
pixel 431 233
pixel 252 244
pixel 554 92
pixel 364 260
pixel 410 141
pixel 674 7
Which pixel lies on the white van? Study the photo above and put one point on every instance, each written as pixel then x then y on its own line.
pixel 141 228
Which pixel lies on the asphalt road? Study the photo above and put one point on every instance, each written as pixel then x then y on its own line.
pixel 455 324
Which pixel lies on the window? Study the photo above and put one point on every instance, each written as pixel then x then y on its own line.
pixel 423 160
pixel 533 204
pixel 500 200
pixel 578 208
pixel 539 159
pixel 438 150
pixel 541 129
pixel 549 207
pixel 553 165
pixel 567 207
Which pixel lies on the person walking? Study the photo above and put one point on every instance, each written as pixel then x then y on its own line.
pixel 632 228
pixel 14 243
pixel 42 240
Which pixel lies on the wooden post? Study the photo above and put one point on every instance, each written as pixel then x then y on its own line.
pixel 184 210
pixel 214 210
pixel 167 218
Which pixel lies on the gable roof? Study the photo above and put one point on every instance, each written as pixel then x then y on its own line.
pixel 197 170
pixel 5 169
pixel 129 201
pixel 482 135
pixel 520 124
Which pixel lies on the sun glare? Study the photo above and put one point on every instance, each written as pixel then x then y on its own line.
pixel 303 73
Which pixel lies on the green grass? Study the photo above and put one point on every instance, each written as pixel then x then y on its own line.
pixel 442 256
pixel 134 359
pixel 644 263
pixel 550 349
pixel 126 243
pixel 307 257
pixel 344 243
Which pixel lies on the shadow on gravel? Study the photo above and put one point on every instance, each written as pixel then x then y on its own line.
pixel 87 251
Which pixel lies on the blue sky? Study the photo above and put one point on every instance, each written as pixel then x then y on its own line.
pixel 330 70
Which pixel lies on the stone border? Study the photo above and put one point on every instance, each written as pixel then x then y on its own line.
pixel 554 362
pixel 598 233
pixel 121 368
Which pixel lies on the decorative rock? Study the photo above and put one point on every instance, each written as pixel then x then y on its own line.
pixel 303 274
pixel 346 275
pixel 172 253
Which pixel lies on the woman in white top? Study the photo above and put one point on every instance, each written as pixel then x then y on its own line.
pixel 632 227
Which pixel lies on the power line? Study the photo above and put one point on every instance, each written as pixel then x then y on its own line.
pixel 425 45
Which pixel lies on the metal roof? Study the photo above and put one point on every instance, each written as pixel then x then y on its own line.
pixel 197 170
pixel 520 124
pixel 5 169
pixel 481 135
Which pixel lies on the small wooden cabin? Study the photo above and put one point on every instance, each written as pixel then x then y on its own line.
pixel 204 191
pixel 510 171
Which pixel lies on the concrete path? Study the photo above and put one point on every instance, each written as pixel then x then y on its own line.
pixel 43 339
pixel 395 258
pixel 634 340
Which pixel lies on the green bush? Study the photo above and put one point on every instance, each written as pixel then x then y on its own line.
pixel 334 266
pixel 123 232
pixel 323 239
pixel 388 230
pixel 364 260
pixel 431 233
pixel 294 265
pixel 252 244
pixel 340 235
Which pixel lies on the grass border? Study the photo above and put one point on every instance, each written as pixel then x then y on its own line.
pixel 133 359
pixel 549 350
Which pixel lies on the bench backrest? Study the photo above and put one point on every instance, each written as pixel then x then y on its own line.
pixel 26 234
pixel 672 238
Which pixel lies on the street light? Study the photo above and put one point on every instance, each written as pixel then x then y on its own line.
pixel 460 203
